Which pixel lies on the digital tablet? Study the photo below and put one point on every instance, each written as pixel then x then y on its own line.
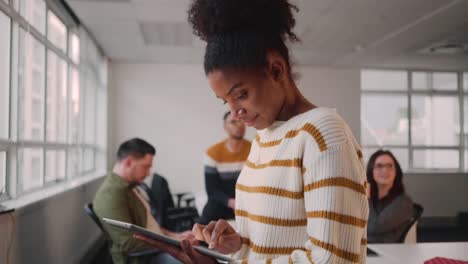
pixel 140 230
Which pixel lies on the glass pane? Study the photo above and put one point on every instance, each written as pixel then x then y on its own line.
pixel 2 173
pixel 57 32
pixel 384 120
pixel 384 80
pixel 30 168
pixel 34 11
pixel 421 80
pixel 435 120
pixel 73 164
pixel 90 110
pixel 5 33
pixel 55 165
pixel 465 81
pixel 74 118
pixel 88 159
pixel 31 82
pixel 56 98
pixel 436 159
pixel 401 154
pixel 75 48
pixel 446 81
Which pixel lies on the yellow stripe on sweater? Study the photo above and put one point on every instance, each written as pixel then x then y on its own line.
pixel 269 250
pixel 270 191
pixel 336 182
pixel 336 251
pixel 276 163
pixel 344 219
pixel 271 220
pixel 309 128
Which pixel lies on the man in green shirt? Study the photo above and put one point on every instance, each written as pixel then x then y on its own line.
pixel 119 199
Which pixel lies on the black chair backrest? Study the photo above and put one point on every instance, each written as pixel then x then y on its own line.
pixel 417 213
pixel 162 197
pixel 88 208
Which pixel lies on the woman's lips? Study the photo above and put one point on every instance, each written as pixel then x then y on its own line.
pixel 250 122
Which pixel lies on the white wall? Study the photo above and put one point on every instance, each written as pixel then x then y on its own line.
pixel 173 108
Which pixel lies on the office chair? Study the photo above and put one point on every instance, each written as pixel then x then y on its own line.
pixel 409 235
pixel 88 208
pixel 175 218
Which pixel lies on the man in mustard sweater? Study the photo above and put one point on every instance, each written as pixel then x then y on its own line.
pixel 119 199
pixel 223 163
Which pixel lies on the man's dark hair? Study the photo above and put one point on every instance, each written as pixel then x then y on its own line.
pixel 135 147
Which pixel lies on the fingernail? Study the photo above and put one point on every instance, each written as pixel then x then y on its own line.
pixel 211 245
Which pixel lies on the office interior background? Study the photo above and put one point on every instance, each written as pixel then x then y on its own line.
pixel 78 77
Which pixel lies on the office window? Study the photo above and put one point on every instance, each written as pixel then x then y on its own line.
pixel 377 80
pixel 75 107
pixel 34 11
pixel 31 89
pixel 3 172
pixel 57 32
pixel 435 120
pixel 421 123
pixel 30 168
pixel 55 165
pixel 49 112
pixel 56 106
pixel 465 82
pixel 5 50
pixel 74 48
pixel 384 119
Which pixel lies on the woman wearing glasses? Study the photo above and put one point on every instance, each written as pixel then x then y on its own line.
pixel 390 208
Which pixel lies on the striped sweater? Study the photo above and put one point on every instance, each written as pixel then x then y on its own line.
pixel 222 168
pixel 301 195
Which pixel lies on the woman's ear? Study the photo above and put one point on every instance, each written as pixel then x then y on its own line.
pixel 276 66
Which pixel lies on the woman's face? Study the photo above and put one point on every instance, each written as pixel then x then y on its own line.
pixel 253 97
pixel 384 170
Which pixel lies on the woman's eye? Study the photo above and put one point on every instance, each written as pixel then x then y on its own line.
pixel 242 95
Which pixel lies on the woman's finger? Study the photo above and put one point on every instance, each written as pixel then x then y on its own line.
pixel 218 231
pixel 207 231
pixel 197 231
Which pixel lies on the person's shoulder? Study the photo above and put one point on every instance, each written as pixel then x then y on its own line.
pixel 325 126
pixel 215 150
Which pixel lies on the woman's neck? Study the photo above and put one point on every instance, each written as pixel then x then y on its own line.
pixel 294 103
pixel 233 145
pixel 384 190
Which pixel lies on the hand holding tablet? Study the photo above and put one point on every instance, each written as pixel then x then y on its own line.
pixel 142 232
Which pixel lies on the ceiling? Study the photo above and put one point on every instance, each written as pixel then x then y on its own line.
pixel 334 33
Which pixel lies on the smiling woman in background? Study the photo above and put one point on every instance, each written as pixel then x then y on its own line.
pixel 390 209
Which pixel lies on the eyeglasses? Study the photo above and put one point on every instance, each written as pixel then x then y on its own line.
pixel 381 166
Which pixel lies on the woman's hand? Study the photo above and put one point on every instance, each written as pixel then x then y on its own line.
pixel 188 255
pixel 219 235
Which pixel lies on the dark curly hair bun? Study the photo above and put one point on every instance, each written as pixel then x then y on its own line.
pixel 239 33
pixel 218 17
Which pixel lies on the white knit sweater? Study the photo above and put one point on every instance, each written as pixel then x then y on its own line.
pixel 301 197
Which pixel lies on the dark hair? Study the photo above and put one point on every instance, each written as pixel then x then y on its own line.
pixel 239 33
pixel 135 147
pixel 397 187
pixel 226 115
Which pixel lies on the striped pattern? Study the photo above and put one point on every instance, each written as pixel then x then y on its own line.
pixel 336 182
pixel 363 241
pixel 269 250
pixel 271 220
pixel 309 128
pixel 345 219
pixel 270 191
pixel 276 163
pixel 302 187
pixel 335 250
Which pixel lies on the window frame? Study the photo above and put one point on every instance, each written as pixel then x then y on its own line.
pixel 460 93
